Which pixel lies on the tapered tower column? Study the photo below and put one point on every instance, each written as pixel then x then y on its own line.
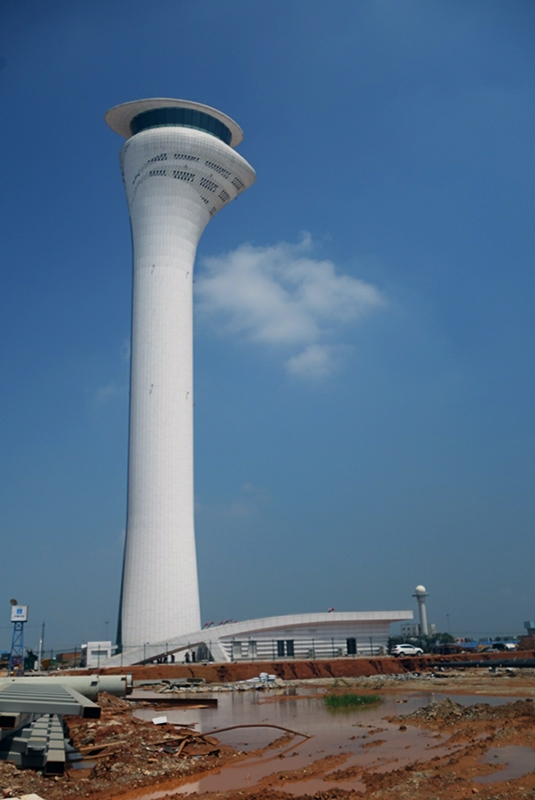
pixel 179 169
pixel 420 593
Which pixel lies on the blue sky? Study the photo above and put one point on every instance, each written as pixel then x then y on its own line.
pixel 364 313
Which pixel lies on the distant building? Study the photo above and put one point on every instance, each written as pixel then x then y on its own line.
pixel 410 631
pixel 334 634
pixel 527 642
pixel 413 630
pixel 95 653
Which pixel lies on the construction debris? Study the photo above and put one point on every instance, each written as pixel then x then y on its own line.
pixel 88 685
pixel 41 745
pixel 40 698
pixel 27 797
pixel 32 733
pixel 121 752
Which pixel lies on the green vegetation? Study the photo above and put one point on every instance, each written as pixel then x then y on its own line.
pixel 348 702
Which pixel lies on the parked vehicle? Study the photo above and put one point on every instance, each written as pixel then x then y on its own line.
pixel 447 648
pixel 406 650
pixel 499 647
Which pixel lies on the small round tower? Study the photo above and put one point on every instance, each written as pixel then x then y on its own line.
pixel 420 593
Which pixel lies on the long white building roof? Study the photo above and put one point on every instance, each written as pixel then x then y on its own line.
pixel 325 624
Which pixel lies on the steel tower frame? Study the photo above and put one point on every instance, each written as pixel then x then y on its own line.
pixel 17 648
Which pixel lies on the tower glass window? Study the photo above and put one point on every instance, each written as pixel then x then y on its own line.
pixel 183 118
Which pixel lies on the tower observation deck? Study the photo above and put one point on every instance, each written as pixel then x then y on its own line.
pixel 179 169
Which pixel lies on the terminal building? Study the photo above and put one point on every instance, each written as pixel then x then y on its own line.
pixel 334 634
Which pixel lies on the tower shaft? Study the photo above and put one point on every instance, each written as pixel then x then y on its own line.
pixel 176 178
pixel 424 628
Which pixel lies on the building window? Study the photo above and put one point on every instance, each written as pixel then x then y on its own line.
pixel 184 157
pixel 181 118
pixel 210 185
pixel 290 647
pixel 224 172
pixel 280 648
pixel 236 651
pixel 182 175
pixel 351 647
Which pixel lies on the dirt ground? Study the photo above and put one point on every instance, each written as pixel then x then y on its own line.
pixel 128 754
pixel 303 670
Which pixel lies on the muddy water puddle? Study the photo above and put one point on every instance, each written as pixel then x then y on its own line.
pixel 515 762
pixel 340 747
pixel 174 700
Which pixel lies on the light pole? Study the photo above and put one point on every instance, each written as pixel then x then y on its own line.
pixel 41 646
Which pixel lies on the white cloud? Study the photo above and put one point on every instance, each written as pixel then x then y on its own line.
pixel 110 392
pixel 317 361
pixel 281 296
pixel 248 503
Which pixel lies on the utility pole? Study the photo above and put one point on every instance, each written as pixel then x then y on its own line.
pixel 41 646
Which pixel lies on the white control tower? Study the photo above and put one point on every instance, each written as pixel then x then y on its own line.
pixel 179 169
pixel 420 593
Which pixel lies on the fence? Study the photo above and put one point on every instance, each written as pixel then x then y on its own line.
pixel 262 650
pixel 233 650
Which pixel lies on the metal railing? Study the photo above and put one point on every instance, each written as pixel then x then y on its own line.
pixel 261 650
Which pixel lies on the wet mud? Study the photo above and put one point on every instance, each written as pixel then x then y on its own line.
pixel 456 735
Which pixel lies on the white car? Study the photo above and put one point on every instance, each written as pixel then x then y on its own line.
pixel 406 650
